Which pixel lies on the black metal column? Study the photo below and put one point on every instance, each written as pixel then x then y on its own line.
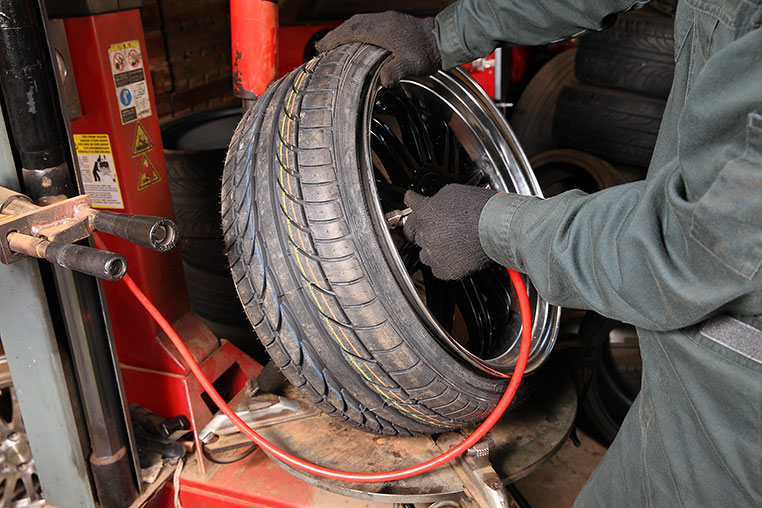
pixel 31 102
pixel 41 141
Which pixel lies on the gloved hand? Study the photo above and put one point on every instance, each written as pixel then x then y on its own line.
pixel 410 40
pixel 446 228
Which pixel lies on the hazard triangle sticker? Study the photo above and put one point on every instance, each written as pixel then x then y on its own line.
pixel 142 143
pixel 148 173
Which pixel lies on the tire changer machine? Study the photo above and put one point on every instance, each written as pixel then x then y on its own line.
pixel 113 415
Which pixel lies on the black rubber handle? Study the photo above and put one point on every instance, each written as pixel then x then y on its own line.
pixel 98 263
pixel 157 233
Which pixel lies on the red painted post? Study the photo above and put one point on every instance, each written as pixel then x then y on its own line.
pixel 254 36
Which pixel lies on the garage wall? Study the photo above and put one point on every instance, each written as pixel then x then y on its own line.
pixel 188 45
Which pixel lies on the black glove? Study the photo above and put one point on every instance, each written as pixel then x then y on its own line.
pixel 446 228
pixel 410 40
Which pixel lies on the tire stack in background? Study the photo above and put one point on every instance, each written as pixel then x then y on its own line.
pixel 589 119
pixel 624 75
pixel 194 150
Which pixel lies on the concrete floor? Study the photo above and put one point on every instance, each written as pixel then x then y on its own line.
pixel 557 483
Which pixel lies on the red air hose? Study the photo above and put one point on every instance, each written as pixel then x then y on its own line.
pixel 348 476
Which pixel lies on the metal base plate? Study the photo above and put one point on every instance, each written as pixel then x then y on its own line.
pixel 523 440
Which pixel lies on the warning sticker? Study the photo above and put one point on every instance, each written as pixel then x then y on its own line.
pixel 97 170
pixel 148 173
pixel 142 142
pixel 129 81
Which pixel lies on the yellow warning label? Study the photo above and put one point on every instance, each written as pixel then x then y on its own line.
pixel 142 143
pixel 148 173
pixel 124 45
pixel 97 170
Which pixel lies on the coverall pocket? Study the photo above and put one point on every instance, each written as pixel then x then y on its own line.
pixel 727 220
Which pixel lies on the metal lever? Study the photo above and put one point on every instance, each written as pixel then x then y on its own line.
pixel 49 232
pixel 396 218
pixel 482 484
pixel 157 233
pixel 98 263
pixel 263 411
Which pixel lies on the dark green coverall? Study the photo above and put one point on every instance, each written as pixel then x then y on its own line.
pixel 678 254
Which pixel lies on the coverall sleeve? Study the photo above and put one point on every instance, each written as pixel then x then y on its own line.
pixel 670 251
pixel 470 29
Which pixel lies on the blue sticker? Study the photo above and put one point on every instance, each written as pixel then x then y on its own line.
pixel 125 96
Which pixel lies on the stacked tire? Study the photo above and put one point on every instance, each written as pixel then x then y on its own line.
pixel 194 149
pixel 623 77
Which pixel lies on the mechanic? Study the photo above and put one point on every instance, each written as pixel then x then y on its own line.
pixel 678 255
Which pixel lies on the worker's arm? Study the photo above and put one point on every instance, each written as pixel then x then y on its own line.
pixel 675 249
pixel 470 29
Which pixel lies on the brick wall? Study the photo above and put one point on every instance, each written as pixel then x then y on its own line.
pixel 188 45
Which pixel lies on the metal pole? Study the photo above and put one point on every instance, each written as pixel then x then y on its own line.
pixel 45 394
pixel 42 143
pixel 254 39
pixel 30 99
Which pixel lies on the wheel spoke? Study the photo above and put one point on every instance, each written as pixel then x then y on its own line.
pixel 452 154
pixel 6 501
pixel 475 315
pixel 392 196
pixel 397 160
pixel 414 130
pixel 440 299
pixel 31 490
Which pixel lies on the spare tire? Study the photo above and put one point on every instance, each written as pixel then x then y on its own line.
pixel 618 126
pixel 635 54
pixel 194 149
pixel 532 119
pixel 612 382
pixel 343 305
pixel 565 169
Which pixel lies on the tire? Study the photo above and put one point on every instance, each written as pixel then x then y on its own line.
pixel 617 126
pixel 532 119
pixel 636 54
pixel 611 385
pixel 564 169
pixel 310 268
pixel 206 254
pixel 194 149
pixel 212 296
pixel 194 182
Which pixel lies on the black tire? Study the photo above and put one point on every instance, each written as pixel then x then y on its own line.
pixel 194 150
pixel 532 119
pixel 212 296
pixel 636 54
pixel 194 182
pixel 206 254
pixel 612 386
pixel 617 126
pixel 564 169
pixel 309 269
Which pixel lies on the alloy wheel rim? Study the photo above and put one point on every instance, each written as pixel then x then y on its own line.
pixel 422 134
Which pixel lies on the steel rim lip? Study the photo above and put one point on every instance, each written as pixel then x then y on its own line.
pixel 508 169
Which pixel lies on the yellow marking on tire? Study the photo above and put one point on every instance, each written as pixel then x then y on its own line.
pixel 285 130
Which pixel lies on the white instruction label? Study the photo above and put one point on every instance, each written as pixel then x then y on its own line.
pixel 97 170
pixel 129 81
